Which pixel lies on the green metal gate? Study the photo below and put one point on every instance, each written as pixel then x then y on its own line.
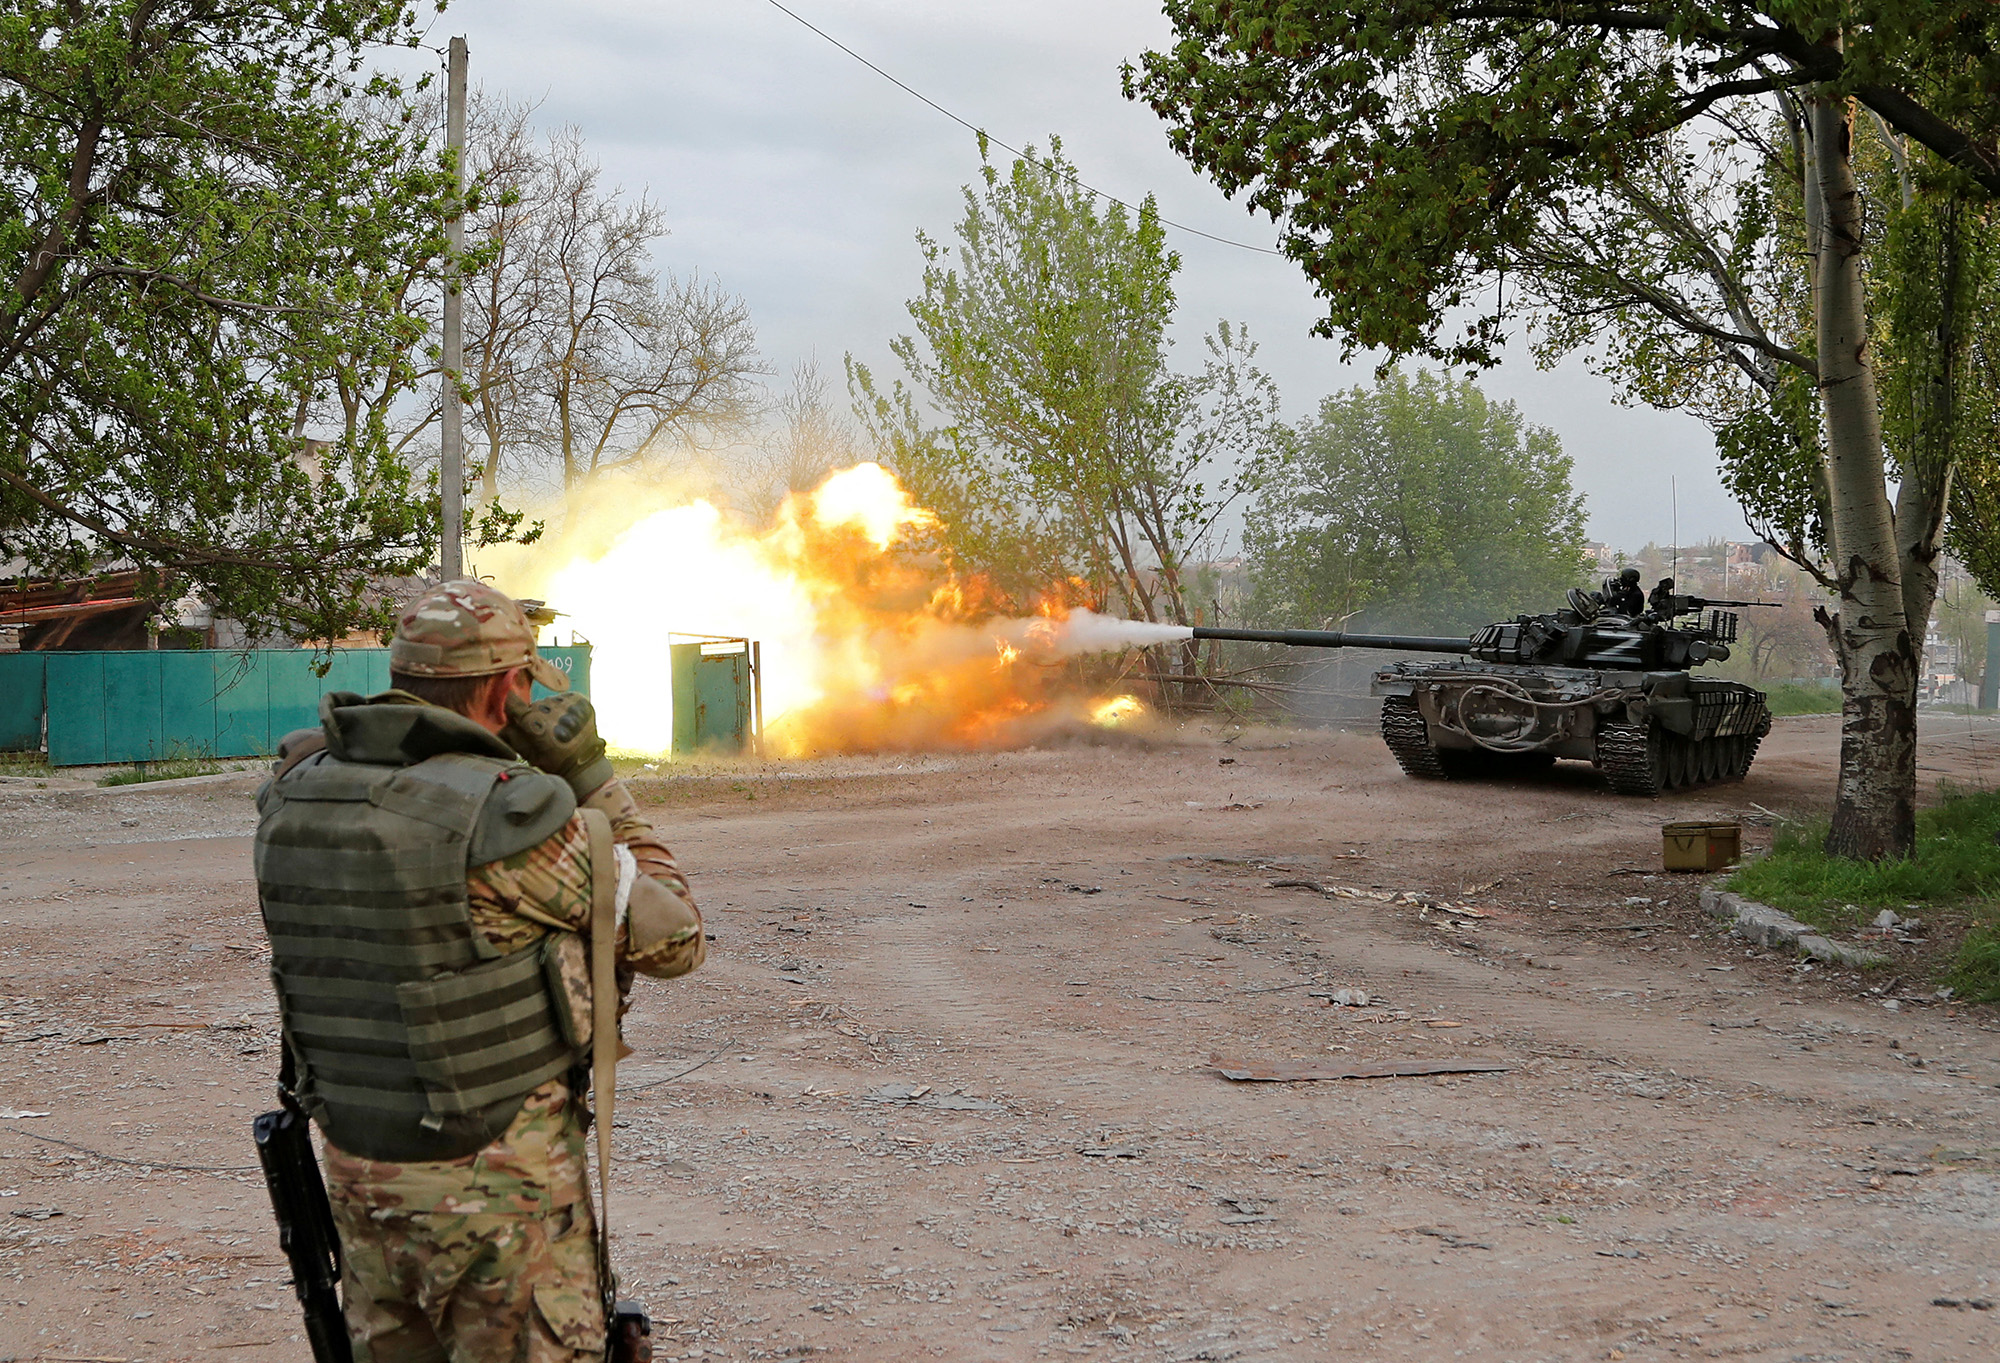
pixel 22 682
pixel 717 695
pixel 149 706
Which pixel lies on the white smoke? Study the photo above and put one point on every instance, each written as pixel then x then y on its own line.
pixel 1084 631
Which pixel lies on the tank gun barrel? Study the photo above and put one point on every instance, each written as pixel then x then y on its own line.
pixel 1328 638
pixel 1702 603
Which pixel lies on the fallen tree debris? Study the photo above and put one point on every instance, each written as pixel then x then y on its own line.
pixel 1419 899
pixel 1395 1069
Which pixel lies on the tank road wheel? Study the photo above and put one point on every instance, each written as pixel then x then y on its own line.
pixel 1631 757
pixel 1714 758
pixel 1409 741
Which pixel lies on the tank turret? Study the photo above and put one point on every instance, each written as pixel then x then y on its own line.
pixel 1582 682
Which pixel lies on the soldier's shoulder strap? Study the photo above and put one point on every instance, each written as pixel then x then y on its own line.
pixel 500 807
pixel 524 808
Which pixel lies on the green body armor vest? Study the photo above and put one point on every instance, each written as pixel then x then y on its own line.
pixel 412 1037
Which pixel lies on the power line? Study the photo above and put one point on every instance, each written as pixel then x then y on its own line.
pixel 981 132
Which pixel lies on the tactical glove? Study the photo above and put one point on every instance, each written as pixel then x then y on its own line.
pixel 559 735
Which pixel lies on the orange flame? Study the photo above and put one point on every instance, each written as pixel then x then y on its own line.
pixel 870 641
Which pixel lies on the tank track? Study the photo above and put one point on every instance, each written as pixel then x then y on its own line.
pixel 1409 740
pixel 1629 759
pixel 1642 759
pixel 1746 754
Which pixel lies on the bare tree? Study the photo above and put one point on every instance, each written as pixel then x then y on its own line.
pixel 804 439
pixel 632 362
pixel 580 356
pixel 507 299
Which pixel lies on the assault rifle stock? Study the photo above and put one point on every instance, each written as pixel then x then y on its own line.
pixel 305 1227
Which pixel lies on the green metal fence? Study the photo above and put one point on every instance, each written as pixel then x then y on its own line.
pixel 147 706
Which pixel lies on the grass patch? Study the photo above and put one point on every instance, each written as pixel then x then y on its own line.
pixel 1793 698
pixel 25 764
pixel 166 769
pixel 1954 873
pixel 1976 973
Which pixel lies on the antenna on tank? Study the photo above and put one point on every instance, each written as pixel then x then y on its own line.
pixel 1674 498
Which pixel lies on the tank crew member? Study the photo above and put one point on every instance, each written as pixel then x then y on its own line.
pixel 426 862
pixel 1661 601
pixel 1623 595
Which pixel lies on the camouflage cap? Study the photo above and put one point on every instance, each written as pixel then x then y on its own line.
pixel 467 629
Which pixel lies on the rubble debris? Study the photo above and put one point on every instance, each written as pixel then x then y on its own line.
pixel 1111 1151
pixel 18 1113
pixel 1395 1069
pixel 916 1095
pixel 963 1102
pixel 1246 1208
pixel 1451 1238
pixel 1893 926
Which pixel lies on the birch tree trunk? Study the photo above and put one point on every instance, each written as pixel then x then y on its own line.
pixel 1874 813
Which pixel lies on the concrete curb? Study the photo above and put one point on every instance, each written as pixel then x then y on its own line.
pixel 1762 923
pixel 80 798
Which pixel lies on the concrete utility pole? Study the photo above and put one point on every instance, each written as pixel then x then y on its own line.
pixel 451 475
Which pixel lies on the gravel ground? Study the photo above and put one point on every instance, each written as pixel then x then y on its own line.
pixel 948 1087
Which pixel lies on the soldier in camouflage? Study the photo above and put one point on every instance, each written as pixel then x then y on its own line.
pixel 437 1029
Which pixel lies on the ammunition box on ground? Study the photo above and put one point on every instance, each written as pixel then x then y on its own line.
pixel 1700 846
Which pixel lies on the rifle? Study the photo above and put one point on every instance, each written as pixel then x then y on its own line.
pixel 305 1226
pixel 630 1338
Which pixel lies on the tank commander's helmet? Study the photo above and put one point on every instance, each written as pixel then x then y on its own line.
pixel 465 628
pixel 1629 577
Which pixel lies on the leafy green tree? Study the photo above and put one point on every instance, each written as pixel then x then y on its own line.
pixel 202 236
pixel 1425 155
pixel 1417 505
pixel 1071 445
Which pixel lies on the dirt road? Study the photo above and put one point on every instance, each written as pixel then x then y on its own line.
pixel 945 1088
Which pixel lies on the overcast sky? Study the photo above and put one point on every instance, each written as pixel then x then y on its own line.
pixel 798 178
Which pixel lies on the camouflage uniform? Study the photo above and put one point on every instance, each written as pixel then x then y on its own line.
pixel 492 1258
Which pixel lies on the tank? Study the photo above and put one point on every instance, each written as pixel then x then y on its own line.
pixel 1584 682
